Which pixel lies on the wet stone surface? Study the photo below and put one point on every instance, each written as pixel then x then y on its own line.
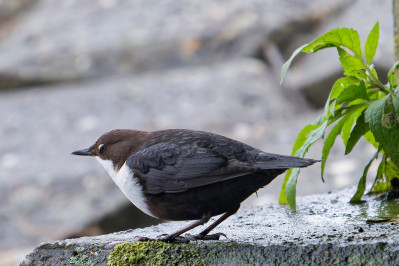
pixel 324 229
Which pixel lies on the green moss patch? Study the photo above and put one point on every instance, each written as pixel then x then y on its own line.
pixel 155 253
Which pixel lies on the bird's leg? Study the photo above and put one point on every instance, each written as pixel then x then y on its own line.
pixel 204 234
pixel 173 237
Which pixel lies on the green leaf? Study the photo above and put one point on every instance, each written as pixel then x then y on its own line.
pixel 370 139
pixel 372 43
pixel 299 142
pixel 361 186
pixel 382 116
pixel 342 127
pixel 336 90
pixel 375 94
pixel 360 128
pixel 395 103
pixel 358 73
pixel 373 116
pixel 344 111
pixel 350 64
pixel 290 191
pixel 342 37
pixel 391 131
pixel 373 71
pixel 287 64
pixel 302 137
pixel 308 135
pixel 341 84
pixel 356 102
pixel 283 198
pixel 391 171
pixel 392 75
pixel 353 92
pixel 387 171
pixel 329 142
pixel 320 120
pixel 315 134
pixel 348 125
pixel 390 128
pixel 380 183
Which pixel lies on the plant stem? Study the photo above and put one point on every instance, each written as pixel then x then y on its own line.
pixel 376 81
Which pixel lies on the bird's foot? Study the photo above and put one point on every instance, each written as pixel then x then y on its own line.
pixel 164 238
pixel 181 239
pixel 178 239
pixel 205 237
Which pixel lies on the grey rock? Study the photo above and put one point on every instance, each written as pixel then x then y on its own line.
pixel 64 40
pixel 324 230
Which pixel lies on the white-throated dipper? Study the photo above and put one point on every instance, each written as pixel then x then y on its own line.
pixel 180 174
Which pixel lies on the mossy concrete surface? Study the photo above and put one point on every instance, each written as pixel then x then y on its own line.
pixel 325 229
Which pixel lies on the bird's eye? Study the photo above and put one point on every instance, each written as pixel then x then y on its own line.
pixel 101 148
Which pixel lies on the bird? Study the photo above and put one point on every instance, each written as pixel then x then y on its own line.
pixel 182 174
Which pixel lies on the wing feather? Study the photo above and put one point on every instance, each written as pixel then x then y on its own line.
pixel 168 168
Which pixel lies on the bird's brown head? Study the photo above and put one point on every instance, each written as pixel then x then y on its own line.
pixel 116 146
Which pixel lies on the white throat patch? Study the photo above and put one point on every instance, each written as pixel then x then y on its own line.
pixel 127 183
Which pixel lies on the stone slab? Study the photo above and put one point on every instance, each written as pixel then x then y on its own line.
pixel 325 229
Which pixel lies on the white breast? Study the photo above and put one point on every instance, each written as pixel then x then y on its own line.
pixel 129 185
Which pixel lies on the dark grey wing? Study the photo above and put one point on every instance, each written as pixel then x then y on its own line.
pixel 172 168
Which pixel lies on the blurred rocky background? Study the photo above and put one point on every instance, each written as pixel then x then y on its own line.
pixel 71 70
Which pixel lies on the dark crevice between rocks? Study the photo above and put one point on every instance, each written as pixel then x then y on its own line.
pixel 286 38
pixel 317 93
pixel 124 218
pixel 277 48
pixel 11 83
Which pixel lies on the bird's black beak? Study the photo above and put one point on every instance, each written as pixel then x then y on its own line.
pixel 84 152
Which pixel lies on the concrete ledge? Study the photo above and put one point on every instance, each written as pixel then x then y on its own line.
pixel 324 230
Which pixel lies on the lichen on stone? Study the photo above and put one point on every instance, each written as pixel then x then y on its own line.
pixel 80 259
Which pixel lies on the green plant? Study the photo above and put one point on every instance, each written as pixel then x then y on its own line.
pixel 359 105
